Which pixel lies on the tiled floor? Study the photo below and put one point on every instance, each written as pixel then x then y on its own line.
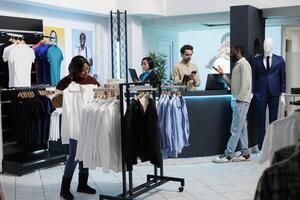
pixel 204 180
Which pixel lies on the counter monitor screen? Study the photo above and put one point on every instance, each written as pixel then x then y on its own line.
pixel 216 82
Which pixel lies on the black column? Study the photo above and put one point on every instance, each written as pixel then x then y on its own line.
pixel 247 28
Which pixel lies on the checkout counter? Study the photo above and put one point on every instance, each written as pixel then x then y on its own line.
pixel 210 120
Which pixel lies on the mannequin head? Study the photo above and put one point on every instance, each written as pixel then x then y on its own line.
pixel 268 45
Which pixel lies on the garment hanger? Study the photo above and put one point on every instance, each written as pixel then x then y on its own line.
pixel 22 40
pixel 141 95
pixel 11 39
pixel 178 93
pixel 18 41
pixel 33 94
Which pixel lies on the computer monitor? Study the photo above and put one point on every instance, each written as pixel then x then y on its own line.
pixel 216 82
pixel 133 75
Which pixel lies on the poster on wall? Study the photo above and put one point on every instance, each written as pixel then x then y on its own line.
pixel 82 44
pixel 222 57
pixel 58 34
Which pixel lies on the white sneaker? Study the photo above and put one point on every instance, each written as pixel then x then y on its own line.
pixel 222 159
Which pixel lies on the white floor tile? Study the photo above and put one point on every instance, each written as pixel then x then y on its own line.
pixel 203 180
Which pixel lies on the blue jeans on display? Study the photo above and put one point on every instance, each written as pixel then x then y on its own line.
pixel 238 128
pixel 71 163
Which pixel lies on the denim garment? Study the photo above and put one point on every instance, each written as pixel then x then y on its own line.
pixel 238 128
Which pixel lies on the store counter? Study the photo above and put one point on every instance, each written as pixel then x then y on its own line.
pixel 210 120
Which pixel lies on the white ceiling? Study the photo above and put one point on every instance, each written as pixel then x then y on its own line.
pixel 176 14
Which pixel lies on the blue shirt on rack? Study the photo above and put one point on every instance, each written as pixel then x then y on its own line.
pixel 185 122
pixel 170 129
pixel 162 118
pixel 173 124
pixel 55 57
pixel 178 125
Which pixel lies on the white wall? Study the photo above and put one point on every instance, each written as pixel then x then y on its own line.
pixel 69 21
pixel 152 36
pixel 134 43
pixel 292 57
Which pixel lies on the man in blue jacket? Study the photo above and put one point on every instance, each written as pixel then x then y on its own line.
pixel 269 82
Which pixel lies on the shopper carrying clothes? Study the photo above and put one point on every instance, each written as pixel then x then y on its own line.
pixel 149 74
pixel 78 73
pixel 241 86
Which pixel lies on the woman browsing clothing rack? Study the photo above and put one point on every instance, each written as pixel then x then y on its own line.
pixel 72 84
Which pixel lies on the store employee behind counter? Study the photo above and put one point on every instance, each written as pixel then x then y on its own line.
pixel 148 75
pixel 186 72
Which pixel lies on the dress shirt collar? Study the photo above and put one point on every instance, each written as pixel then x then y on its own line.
pixel 269 54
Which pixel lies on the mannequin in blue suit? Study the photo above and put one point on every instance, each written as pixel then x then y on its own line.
pixel 269 82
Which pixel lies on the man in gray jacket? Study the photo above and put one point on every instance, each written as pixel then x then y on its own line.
pixel 241 87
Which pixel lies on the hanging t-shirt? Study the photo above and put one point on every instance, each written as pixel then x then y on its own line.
pixel 44 66
pixel 55 58
pixel 20 58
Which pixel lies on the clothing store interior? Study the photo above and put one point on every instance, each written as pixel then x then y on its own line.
pixel 165 99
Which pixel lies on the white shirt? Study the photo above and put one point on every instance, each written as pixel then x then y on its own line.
pixel 280 133
pixel 20 58
pixel 265 60
pixel 86 52
pixel 75 98
pixel 54 125
pixel 99 143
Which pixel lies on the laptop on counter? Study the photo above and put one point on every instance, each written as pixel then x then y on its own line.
pixel 133 75
pixel 216 82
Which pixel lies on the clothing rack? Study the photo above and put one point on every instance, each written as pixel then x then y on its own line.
pixel 12 34
pixel 30 37
pixel 294 101
pixel 173 86
pixel 153 181
pixel 16 158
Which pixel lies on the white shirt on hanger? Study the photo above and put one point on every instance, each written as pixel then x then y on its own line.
pixel 20 58
pixel 280 133
pixel 75 98
pixel 54 125
pixel 99 143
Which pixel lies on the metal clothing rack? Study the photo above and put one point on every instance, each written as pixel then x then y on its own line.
pixel 173 86
pixel 153 181
pixel 30 37
pixel 294 101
